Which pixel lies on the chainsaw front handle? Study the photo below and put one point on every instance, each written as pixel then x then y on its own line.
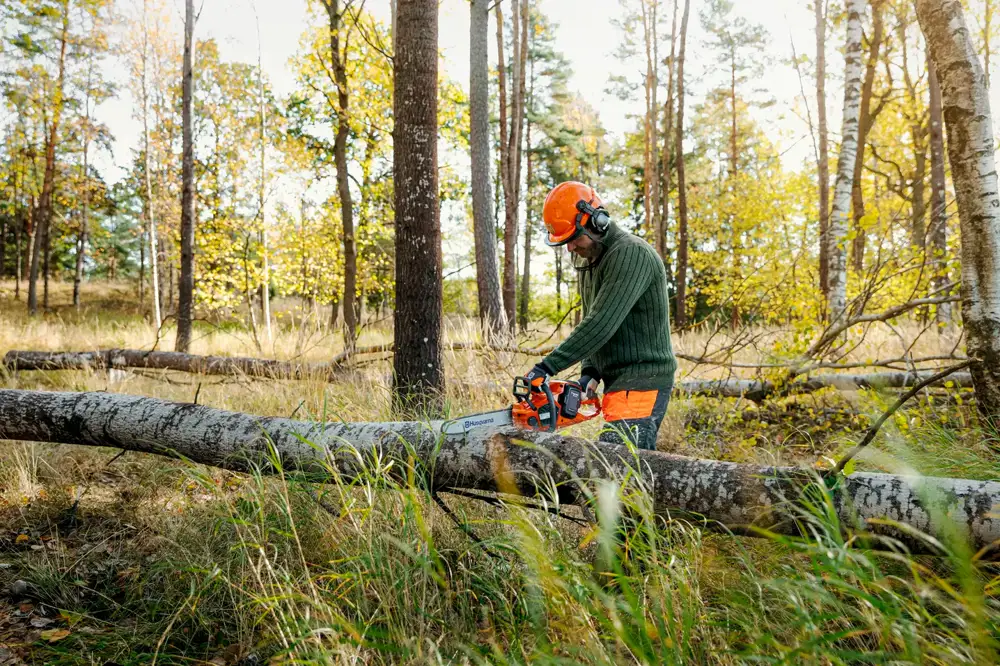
pixel 553 409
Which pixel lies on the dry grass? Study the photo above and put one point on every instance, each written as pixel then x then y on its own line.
pixel 192 564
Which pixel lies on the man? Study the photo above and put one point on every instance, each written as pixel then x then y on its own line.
pixel 624 336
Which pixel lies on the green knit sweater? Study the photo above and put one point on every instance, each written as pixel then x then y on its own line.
pixel 625 331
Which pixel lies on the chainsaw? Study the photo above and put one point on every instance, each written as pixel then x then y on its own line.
pixel 544 405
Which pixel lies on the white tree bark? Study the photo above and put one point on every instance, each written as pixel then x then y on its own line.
pixel 265 287
pixel 154 271
pixel 756 390
pixel 163 360
pixel 839 216
pixel 966 106
pixel 730 494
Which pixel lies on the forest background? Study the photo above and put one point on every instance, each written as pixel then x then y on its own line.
pixel 220 179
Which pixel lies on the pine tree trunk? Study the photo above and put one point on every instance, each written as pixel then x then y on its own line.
pixel 491 313
pixel 82 241
pixel 864 126
pixel 525 299
pixel 510 143
pixel 3 222
pixel 18 232
pixel 837 237
pixel 823 167
pixel 418 380
pixel 680 309
pixel 650 176
pixel 46 260
pixel 668 136
pixel 19 221
pixel 142 268
pixel 43 215
pixel 350 297
pixel 939 216
pixel 185 303
pixel 966 112
pixel 559 284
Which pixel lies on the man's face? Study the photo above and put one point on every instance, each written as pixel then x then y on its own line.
pixel 584 246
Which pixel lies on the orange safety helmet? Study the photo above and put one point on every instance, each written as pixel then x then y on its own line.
pixel 569 208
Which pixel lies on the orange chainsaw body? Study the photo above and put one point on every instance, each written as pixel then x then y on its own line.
pixel 534 404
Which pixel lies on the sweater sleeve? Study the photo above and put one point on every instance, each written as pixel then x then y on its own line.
pixel 627 273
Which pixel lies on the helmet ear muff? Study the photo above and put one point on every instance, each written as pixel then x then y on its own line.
pixel 597 218
pixel 600 220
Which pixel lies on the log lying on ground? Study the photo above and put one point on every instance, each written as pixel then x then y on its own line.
pixel 751 389
pixel 729 494
pixel 757 390
pixel 205 365
pixel 164 360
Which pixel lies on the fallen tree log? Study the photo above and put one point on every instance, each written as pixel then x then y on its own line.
pixel 164 360
pixel 752 389
pixel 759 390
pixel 208 365
pixel 734 495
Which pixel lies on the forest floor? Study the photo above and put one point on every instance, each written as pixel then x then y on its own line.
pixel 133 559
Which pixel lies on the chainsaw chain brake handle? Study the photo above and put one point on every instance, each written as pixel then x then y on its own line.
pixel 539 400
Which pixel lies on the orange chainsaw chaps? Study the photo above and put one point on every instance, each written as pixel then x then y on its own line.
pixel 620 405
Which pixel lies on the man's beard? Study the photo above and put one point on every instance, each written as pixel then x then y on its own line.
pixel 584 261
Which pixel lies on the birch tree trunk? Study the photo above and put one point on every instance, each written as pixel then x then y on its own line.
pixel 154 272
pixel 680 310
pixel 81 251
pixel 939 216
pixel 185 300
pixel 265 287
pixel 824 142
pixel 491 313
pixel 966 111
pixel 837 238
pixel 418 381
pixel 526 463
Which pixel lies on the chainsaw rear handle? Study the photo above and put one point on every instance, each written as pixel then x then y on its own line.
pixel 522 391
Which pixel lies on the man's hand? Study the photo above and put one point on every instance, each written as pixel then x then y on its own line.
pixel 537 375
pixel 589 381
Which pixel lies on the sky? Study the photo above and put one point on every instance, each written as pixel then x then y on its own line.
pixel 583 32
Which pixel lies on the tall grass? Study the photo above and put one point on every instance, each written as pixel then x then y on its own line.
pixel 179 565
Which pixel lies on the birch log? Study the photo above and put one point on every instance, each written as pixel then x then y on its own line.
pixel 837 236
pixel 752 389
pixel 966 107
pixel 729 494
pixel 162 360
pixel 757 390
